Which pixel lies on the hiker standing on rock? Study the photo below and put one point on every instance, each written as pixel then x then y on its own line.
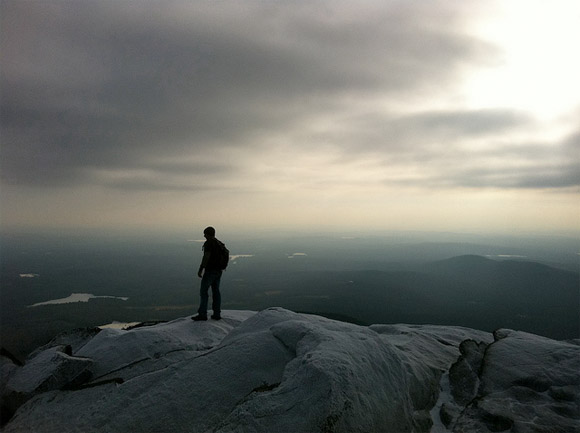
pixel 215 260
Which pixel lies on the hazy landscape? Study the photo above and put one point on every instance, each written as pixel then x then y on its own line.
pixel 410 169
pixel 483 282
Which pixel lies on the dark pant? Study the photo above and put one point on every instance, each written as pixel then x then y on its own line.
pixel 210 279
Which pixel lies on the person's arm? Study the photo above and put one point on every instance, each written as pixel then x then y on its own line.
pixel 204 261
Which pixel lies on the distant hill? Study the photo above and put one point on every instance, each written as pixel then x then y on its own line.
pixel 471 291
pixel 525 294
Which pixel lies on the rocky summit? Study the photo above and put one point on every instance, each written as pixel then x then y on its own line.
pixel 280 371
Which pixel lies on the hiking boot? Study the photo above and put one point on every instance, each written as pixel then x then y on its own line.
pixel 216 317
pixel 199 318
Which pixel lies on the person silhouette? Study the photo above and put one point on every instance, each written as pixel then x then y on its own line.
pixel 210 273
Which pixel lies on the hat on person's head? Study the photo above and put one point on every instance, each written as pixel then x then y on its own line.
pixel 210 231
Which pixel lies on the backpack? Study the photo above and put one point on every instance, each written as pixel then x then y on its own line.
pixel 224 255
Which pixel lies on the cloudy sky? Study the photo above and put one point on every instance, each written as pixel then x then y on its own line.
pixel 336 115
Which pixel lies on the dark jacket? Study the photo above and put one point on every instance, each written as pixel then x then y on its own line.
pixel 211 255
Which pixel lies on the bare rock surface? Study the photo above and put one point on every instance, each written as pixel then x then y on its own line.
pixel 521 382
pixel 281 371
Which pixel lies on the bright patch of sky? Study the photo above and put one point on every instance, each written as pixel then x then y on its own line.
pixel 538 69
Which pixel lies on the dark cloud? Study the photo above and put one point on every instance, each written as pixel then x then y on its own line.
pixel 111 86
pixel 423 135
pixel 565 175
pixel 151 96
pixel 542 165
pixel 170 176
pixel 513 165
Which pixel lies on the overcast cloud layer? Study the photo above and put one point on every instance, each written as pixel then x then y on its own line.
pixel 264 95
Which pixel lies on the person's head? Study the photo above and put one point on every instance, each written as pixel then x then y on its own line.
pixel 209 232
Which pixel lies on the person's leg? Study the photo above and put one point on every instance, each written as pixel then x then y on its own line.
pixel 216 295
pixel 203 294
